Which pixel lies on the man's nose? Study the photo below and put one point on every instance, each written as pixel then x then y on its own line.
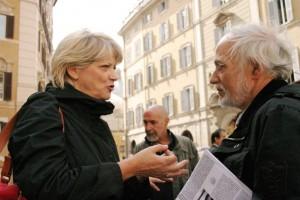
pixel 214 78
pixel 148 126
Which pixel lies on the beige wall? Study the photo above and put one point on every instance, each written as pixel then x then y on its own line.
pixel 9 52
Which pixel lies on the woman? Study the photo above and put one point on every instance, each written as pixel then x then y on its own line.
pixel 74 156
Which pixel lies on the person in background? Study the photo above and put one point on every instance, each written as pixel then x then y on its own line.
pixel 72 156
pixel 216 138
pixel 188 134
pixel 156 127
pixel 252 64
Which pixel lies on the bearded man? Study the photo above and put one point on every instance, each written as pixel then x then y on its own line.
pixel 252 65
pixel 156 122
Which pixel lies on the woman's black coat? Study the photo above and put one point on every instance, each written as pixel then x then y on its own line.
pixel 79 163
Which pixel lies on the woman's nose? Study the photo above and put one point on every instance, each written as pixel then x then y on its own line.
pixel 114 75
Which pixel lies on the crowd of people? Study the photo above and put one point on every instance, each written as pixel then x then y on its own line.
pixel 62 149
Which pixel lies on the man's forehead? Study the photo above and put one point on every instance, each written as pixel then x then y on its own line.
pixel 222 52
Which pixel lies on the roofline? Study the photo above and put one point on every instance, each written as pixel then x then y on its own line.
pixel 142 5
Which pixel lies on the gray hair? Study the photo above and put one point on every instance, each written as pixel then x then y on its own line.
pixel 259 45
pixel 79 49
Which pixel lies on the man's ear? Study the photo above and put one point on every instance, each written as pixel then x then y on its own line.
pixel 73 73
pixel 257 69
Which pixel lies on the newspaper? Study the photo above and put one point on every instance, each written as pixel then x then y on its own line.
pixel 211 180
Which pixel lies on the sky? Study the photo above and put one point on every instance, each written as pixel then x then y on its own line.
pixel 104 16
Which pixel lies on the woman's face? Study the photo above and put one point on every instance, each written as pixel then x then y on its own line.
pixel 96 79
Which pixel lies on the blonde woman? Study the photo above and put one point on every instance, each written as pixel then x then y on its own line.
pixel 75 158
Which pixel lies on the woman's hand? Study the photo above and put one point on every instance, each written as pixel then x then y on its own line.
pixel 148 162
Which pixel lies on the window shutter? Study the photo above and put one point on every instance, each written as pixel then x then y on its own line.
pixel 168 68
pixel 289 10
pixel 171 106
pixel 186 17
pixel 216 3
pixel 162 74
pixel 150 41
pixel 161 33
pixel 192 98
pixel 181 58
pixel 218 34
pixel 273 12
pixel 189 55
pixel 7 86
pixel 296 67
pixel 167 34
pixel 179 21
pixel 183 101
pixel 10 27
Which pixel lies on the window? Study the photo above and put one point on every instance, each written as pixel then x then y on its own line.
pixel 2 124
pixel 6 26
pixel 183 19
pixel 148 42
pixel 130 87
pixel 130 119
pixel 138 82
pixel 137 48
pixel 5 81
pixel 165 66
pixel 162 6
pixel 150 74
pixel 187 99
pixel 280 11
pixel 5 85
pixel 128 58
pixel 185 55
pixel 147 18
pixel 168 104
pixel 164 32
pixel 217 3
pixel 221 30
pixel 150 103
pixel 139 111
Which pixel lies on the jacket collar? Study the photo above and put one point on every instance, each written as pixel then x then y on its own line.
pixel 171 145
pixel 70 95
pixel 263 96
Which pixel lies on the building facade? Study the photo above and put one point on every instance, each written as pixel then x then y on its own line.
pixel 169 59
pixel 25 49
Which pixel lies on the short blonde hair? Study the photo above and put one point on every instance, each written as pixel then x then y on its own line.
pixel 79 49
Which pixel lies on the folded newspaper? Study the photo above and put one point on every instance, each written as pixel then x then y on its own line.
pixel 211 180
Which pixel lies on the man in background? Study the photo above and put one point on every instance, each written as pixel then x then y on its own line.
pixel 216 139
pixel 156 127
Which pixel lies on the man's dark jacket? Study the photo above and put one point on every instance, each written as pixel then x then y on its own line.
pixel 77 164
pixel 264 149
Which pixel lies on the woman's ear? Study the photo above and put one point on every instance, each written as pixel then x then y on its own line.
pixel 73 73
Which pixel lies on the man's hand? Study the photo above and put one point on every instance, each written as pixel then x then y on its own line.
pixel 153 182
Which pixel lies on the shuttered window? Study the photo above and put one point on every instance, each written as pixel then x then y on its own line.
pixel 6 26
pixel 5 86
pixel 168 103
pixel 280 11
pixel 187 99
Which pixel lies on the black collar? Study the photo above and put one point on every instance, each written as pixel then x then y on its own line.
pixel 263 96
pixel 71 96
pixel 172 138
